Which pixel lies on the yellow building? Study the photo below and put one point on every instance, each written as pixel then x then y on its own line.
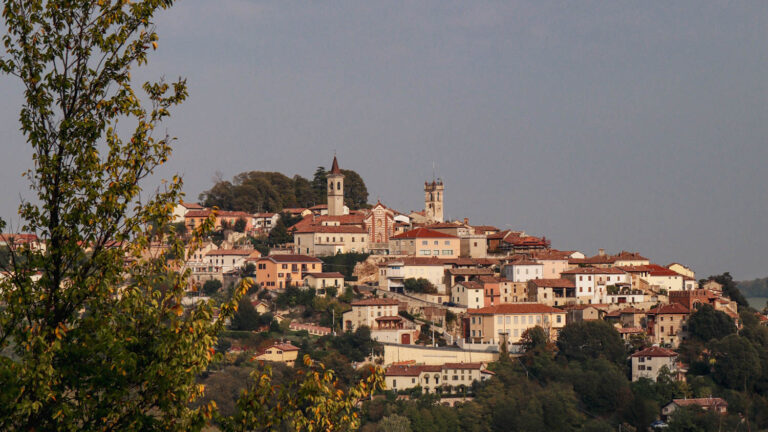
pixel 486 325
pixel 279 352
pixel 423 242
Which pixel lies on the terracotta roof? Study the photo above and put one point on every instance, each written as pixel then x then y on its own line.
pixel 389 318
pixel 285 346
pixel 288 258
pixel 417 261
pixel 553 283
pixel 422 233
pixel 593 270
pixel 462 365
pixel 657 270
pixel 490 279
pixel 631 310
pixel 552 255
pixel 376 302
pixel 411 370
pixel 655 351
pixel 325 275
pixel 470 271
pixel 514 308
pixel 197 213
pixel 485 228
pixel 335 167
pixel 518 238
pixel 238 252
pixel 597 259
pixel 629 330
pixel 703 402
pixel 673 308
pixel 523 261
pixel 227 213
pixel 630 256
pixel 471 285
pixel 264 215
pixel 334 229
pixel 445 225
pixel 191 205
pixel 319 207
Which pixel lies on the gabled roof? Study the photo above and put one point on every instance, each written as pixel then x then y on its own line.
pixel 470 285
pixel 673 308
pixel 462 365
pixel 331 229
pixel 514 308
pixel 411 370
pixel 325 275
pixel 191 206
pixel 236 252
pixel 593 270
pixel 289 258
pixel 702 402
pixel 422 233
pixel 657 270
pixel 469 271
pixel 655 351
pixel 376 302
pixel 197 213
pixel 553 283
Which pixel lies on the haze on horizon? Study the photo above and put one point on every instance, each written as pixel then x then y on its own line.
pixel 641 126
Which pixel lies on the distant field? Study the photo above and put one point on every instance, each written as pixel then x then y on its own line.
pixel 757 302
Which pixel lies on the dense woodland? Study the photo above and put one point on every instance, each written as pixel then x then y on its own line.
pixel 260 191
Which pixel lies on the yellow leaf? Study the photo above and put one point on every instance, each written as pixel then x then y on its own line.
pixel 154 45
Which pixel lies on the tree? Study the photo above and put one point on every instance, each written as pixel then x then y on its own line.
pixel 246 317
pixel 240 225
pixel 95 342
pixel 707 323
pixel 211 286
pixel 534 337
pixel 736 361
pixel 419 285
pixel 312 401
pixel 591 339
pixel 395 423
pixel 355 192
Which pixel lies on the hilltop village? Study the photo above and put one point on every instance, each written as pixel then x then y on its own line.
pixel 433 301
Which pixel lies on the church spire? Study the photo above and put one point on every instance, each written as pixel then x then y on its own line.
pixel 335 167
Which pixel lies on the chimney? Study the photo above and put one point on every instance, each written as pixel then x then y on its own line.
pixel 601 252
pixel 466 221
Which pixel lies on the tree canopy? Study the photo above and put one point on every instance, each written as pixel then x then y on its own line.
pixel 260 191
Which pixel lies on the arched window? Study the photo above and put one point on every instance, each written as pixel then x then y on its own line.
pixel 330 185
pixel 338 185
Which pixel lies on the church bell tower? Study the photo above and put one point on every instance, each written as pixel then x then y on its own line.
pixel 433 200
pixel 336 190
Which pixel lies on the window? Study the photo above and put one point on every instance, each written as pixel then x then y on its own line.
pixel 559 319
pixel 284 266
pixel 436 243
pixel 499 319
pixel 436 252
pixel 424 242
pixel 515 319
pixel 425 252
pixel 448 243
pixel 447 252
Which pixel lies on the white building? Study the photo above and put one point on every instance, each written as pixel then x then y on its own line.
pixel 648 362
pixel 468 294
pixel 435 378
pixel 591 282
pixel 523 270
pixel 395 272
pixel 365 312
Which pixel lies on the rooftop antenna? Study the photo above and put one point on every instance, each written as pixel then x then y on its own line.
pixel 433 171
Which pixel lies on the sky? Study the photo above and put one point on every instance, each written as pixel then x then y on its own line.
pixel 637 126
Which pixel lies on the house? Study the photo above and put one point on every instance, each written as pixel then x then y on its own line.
pixel 663 278
pixel 584 312
pixel 328 238
pixel 264 222
pixel 681 269
pixel 435 378
pixel 554 262
pixel 592 282
pixel 423 242
pixel 552 292
pixel 365 312
pixel 260 306
pixel 394 272
pixel 16 240
pixel 666 324
pixel 320 282
pixel 486 325
pixel 468 294
pixel 226 260
pixel 283 352
pixel 312 329
pixel 631 317
pixel 180 209
pixel 522 270
pixel 647 363
pixel 280 271
pixel 509 242
pixel 712 286
pixel 625 258
pixel 715 404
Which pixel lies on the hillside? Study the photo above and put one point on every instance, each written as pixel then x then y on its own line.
pixel 754 288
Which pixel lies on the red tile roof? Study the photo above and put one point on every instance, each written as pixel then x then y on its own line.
pixel 238 252
pixel 553 283
pixel 471 285
pixel 702 402
pixel 288 258
pixel 191 205
pixel 376 302
pixel 325 275
pixel 334 229
pixel 514 308
pixel 657 270
pixel 411 370
pixel 463 366
pixel 673 308
pixel 594 270
pixel 422 233
pixel 655 351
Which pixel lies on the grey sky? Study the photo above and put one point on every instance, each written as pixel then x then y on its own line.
pixel 639 126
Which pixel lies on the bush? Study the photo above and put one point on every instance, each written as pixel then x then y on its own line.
pixel 211 287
